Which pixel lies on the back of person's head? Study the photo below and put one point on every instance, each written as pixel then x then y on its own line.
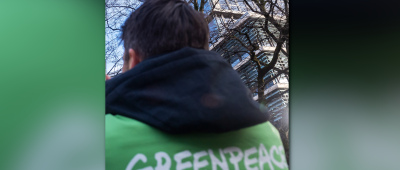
pixel 162 26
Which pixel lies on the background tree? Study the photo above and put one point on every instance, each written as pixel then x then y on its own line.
pixel 276 13
pixel 116 13
pixel 270 18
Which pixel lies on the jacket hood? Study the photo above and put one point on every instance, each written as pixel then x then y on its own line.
pixel 185 91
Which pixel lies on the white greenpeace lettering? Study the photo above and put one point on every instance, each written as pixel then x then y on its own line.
pixel 247 161
pixel 272 159
pixel 263 157
pixel 135 159
pixel 234 159
pixel 199 164
pixel 179 157
pixel 159 157
pixel 215 161
pixel 283 156
pixel 272 150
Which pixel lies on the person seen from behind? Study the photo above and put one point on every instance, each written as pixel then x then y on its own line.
pixel 178 105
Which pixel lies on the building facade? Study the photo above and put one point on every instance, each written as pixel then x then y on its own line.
pixel 235 15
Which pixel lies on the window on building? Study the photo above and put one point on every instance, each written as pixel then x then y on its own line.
pixel 219 20
pixel 234 6
pixel 245 56
pixel 235 63
pixel 253 5
pixel 213 25
pixel 223 4
pixel 242 5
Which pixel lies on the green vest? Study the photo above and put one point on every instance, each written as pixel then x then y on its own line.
pixel 131 144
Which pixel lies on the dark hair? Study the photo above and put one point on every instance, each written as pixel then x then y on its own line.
pixel 162 26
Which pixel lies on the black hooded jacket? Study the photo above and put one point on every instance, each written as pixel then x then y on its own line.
pixel 185 91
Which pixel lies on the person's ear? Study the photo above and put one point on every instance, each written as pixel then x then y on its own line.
pixel 134 58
